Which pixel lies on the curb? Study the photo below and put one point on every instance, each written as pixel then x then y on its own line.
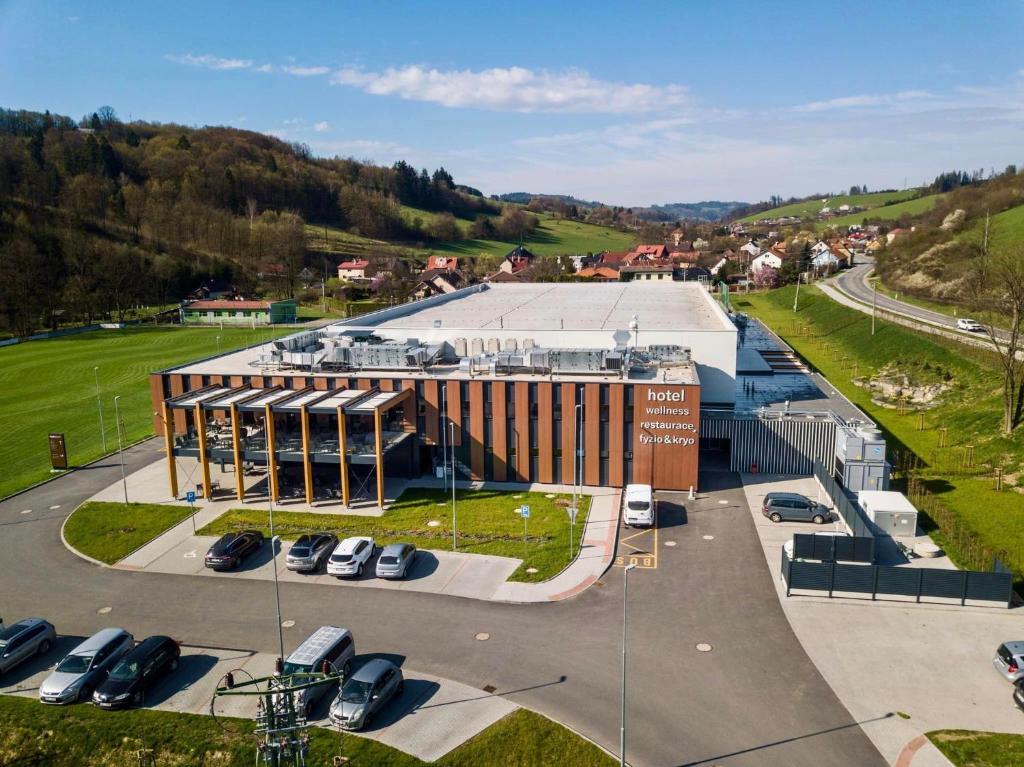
pixel 75 551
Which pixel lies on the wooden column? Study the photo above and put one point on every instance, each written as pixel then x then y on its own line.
pixel 343 455
pixel 476 429
pixel 236 446
pixel 379 449
pixel 172 467
pixel 307 459
pixel 204 463
pixel 268 428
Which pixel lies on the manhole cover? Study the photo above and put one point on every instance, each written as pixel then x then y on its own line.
pixel 704 647
pixel 433 523
pixel 27 511
pixel 709 537
pixel 55 507
pixel 723 503
pixel 104 610
pixel 483 636
pixel 531 570
pixel 670 544
pixel 287 624
pixel 489 688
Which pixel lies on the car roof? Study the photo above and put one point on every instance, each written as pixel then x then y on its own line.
pixel 312 648
pixel 787 496
pixel 98 640
pixel 1017 648
pixel 348 545
pixel 146 646
pixel 394 548
pixel 19 626
pixel 372 670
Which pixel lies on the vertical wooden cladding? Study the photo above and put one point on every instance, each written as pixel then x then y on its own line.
pixel 320 383
pixel 476 429
pixel 387 384
pixel 616 435
pixel 454 404
pixel 409 408
pixel 499 431
pixel 156 396
pixel 258 382
pixel 432 412
pixel 545 433
pixel 363 384
pixel 178 387
pixel 278 381
pixel 663 414
pixel 235 381
pixel 568 432
pixel 592 434
pixel 522 395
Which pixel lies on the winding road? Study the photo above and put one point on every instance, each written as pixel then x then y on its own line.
pixel 755 699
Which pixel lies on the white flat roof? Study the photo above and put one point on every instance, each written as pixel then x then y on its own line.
pixel 658 305
pixel 885 500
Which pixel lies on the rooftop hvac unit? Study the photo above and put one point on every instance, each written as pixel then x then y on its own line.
pixel 613 361
pixel 493 345
pixel 476 346
pixel 511 344
pixel 461 347
pixel 528 343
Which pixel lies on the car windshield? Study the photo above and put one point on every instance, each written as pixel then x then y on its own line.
pixel 75 664
pixel 356 691
pixel 125 669
pixel 389 560
pixel 296 668
pixel 341 558
pixel 638 505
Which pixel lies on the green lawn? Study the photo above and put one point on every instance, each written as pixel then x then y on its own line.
pixel 886 212
pixel 84 736
pixel 838 342
pixel 487 524
pixel 111 531
pixel 1005 231
pixel 966 748
pixel 49 386
pixel 810 208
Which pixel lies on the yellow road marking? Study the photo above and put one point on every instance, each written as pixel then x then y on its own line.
pixel 643 558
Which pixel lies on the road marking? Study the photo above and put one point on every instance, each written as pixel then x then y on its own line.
pixel 704 647
pixel 670 543
pixel 709 537
pixel 483 636
pixel 287 624
pixel 26 511
pixel 55 507
pixel 644 558
pixel 104 610
pixel 190 555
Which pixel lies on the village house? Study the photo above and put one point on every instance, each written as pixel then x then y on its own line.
pixel 357 269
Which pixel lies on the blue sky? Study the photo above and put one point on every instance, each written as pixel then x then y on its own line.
pixel 628 103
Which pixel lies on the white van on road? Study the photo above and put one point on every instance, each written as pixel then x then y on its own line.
pixel 638 506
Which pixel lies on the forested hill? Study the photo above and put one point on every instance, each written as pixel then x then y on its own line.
pixel 98 214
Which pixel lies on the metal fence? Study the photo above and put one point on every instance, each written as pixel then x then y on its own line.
pixel 880 580
pixel 775 443
pixel 852 514
pixel 834 548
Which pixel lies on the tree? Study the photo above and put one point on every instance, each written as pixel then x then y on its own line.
pixel 444 228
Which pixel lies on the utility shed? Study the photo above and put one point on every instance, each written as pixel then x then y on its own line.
pixel 889 511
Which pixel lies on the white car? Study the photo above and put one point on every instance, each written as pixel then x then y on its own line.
pixel 972 326
pixel 350 557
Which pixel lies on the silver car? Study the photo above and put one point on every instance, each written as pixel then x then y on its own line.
pixel 310 551
pixel 365 693
pixel 395 560
pixel 23 640
pixel 1009 661
pixel 86 667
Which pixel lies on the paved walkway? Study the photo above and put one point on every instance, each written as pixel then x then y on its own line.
pixel 931 661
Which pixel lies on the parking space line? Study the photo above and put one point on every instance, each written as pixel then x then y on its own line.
pixel 643 558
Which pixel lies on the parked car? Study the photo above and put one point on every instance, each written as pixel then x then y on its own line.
pixel 138 670
pixel 793 507
pixel 972 326
pixel 310 551
pixel 1009 661
pixel 638 505
pixel 350 557
pixel 395 560
pixel 23 640
pixel 231 549
pixel 367 692
pixel 1018 694
pixel 85 668
pixel 328 643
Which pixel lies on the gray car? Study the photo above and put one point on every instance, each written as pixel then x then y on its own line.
pixel 23 640
pixel 395 560
pixel 310 551
pixel 86 667
pixel 1009 661
pixel 793 507
pixel 365 693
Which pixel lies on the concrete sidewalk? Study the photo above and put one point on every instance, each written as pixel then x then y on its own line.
pixel 930 661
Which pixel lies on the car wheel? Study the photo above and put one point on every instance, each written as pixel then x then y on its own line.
pixel 174 665
pixel 818 519
pixel 359 572
pixel 137 698
pixel 85 694
pixel 401 687
pixel 775 517
pixel 44 647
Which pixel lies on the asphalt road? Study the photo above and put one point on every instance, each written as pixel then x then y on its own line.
pixel 755 699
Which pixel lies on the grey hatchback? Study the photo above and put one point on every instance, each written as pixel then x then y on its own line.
pixel 1009 661
pixel 365 693
pixel 395 560
pixel 793 507
pixel 24 639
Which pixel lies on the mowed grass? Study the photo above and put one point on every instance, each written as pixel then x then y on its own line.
pixel 84 736
pixel 487 524
pixel 971 411
pixel 886 212
pixel 1005 231
pixel 811 208
pixel 966 748
pixel 49 386
pixel 111 531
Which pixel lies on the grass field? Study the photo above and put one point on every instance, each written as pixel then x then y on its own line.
pixel 111 531
pixel 85 736
pixel 1006 230
pixel 49 386
pixel 810 208
pixel 965 748
pixel 840 342
pixel 886 213
pixel 487 524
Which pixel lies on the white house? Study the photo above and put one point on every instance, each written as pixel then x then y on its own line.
pixel 353 270
pixel 700 244
pixel 824 259
pixel 768 258
pixel 751 249
pixel 717 267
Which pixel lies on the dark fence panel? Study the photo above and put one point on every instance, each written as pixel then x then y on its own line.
pixel 893 580
pixel 943 583
pixel 851 513
pixel 833 548
pixel 856 578
pixel 989 586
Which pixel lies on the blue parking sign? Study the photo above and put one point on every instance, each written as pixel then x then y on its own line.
pixel 525 511
pixel 190 496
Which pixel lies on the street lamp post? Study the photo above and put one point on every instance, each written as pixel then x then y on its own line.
pixel 874 296
pixel 99 407
pixel 218 345
pixel 120 446
pixel 274 541
pixel 451 426
pixel 622 712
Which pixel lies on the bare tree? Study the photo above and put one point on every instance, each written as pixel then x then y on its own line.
pixel 251 209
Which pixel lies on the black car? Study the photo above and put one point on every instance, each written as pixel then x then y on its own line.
pixel 1018 694
pixel 139 669
pixel 232 548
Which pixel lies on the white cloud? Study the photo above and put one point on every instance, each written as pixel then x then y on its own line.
pixel 306 71
pixel 209 61
pixel 321 126
pixel 263 68
pixel 853 102
pixel 378 151
pixel 513 89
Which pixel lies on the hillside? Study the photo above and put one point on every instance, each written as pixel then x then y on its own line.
pixel 810 207
pixel 706 210
pixel 884 212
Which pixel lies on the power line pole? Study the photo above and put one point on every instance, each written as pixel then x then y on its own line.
pixel 120 447
pixel 874 296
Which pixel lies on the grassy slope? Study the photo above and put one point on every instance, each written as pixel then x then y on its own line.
pixel 971 411
pixel 111 531
pixel 1006 229
pixel 48 386
pixel 84 736
pixel 888 212
pixel 487 524
pixel 979 749
pixel 811 207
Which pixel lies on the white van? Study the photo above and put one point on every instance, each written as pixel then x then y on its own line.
pixel 638 505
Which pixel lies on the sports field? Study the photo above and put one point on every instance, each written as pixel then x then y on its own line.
pixel 50 386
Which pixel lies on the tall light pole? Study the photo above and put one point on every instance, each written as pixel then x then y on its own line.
pixel 874 296
pixel 622 719
pixel 444 437
pixel 451 426
pixel 274 540
pixel 120 446
pixel 218 345
pixel 99 406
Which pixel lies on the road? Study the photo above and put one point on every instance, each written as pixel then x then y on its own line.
pixel 755 699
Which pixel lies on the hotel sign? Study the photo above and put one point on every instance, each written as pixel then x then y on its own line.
pixel 666 425
pixel 58 452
